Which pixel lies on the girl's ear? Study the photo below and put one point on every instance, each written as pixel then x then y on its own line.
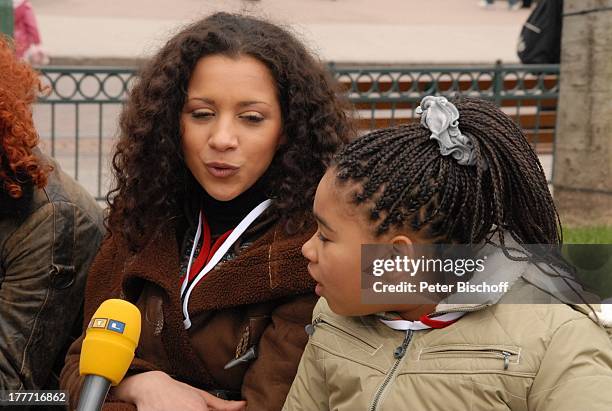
pixel 281 141
pixel 400 243
pixel 401 239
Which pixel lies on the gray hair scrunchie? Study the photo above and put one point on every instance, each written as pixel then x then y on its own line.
pixel 441 117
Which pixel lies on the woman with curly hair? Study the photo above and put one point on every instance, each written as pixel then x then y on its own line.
pixel 50 231
pixel 223 140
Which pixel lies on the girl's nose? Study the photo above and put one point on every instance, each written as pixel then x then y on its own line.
pixel 308 250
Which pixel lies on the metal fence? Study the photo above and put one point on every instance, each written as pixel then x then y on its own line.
pixel 77 119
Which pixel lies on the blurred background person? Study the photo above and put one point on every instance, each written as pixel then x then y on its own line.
pixel 512 4
pixel 27 35
pixel 540 38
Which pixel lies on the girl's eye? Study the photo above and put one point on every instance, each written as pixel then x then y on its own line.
pixel 252 117
pixel 322 238
pixel 202 114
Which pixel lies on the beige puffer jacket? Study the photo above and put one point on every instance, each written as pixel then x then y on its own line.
pixel 545 357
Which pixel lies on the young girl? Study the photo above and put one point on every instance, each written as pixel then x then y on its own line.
pixel 223 140
pixel 466 175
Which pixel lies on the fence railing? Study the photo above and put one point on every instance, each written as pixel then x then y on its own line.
pixel 386 97
pixel 77 119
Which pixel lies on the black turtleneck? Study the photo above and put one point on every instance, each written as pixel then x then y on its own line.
pixel 222 216
pixel 226 215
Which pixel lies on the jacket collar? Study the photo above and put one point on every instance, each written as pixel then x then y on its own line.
pixel 499 268
pixel 271 267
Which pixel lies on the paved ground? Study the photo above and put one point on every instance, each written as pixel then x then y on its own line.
pixel 350 31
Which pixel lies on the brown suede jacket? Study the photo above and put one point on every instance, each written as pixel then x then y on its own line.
pixel 48 239
pixel 263 297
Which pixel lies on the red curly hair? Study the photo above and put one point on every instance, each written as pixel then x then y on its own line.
pixel 19 85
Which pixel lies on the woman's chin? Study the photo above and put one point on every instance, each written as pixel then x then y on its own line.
pixel 220 193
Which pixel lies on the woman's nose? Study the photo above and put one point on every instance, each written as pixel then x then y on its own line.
pixel 223 136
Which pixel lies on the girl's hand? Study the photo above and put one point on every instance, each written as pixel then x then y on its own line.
pixel 157 391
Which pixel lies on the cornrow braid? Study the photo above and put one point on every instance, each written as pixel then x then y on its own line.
pixel 405 182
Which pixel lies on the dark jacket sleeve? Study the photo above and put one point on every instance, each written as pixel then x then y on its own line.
pixel 106 266
pixel 268 379
pixel 44 262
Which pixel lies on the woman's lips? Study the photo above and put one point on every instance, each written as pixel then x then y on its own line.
pixel 221 170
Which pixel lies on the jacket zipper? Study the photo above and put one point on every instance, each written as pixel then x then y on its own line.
pixel 505 355
pixel 310 328
pixel 398 354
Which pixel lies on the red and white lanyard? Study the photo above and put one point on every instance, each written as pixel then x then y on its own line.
pixel 205 254
pixel 220 248
pixel 425 322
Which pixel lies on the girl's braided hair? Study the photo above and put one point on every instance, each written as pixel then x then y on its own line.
pixel 401 177
pixel 407 184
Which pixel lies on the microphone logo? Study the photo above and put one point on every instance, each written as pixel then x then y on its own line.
pixel 98 323
pixel 109 324
pixel 116 326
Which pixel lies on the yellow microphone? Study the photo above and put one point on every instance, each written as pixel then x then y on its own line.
pixel 108 350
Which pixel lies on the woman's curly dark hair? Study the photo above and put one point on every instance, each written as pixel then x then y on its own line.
pixel 19 167
pixel 152 180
